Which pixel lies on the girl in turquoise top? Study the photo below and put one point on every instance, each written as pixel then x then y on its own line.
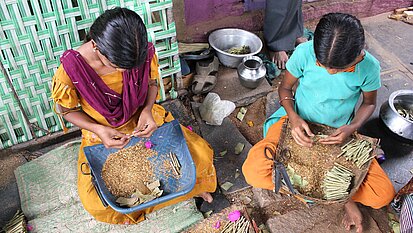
pixel 331 73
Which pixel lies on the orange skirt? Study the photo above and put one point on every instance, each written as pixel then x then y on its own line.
pixel 376 190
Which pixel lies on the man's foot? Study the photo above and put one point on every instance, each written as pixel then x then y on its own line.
pixel 279 58
pixel 300 40
pixel 352 217
pixel 206 197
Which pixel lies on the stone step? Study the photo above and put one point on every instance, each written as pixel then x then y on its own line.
pixel 224 138
pixel 286 214
pixel 229 88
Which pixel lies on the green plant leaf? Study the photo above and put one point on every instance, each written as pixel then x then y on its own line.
pixel 239 148
pixel 227 185
pixel 222 153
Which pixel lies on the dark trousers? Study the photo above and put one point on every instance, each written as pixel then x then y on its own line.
pixel 283 24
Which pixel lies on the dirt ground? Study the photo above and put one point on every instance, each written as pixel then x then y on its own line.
pixel 291 214
pixel 255 115
pixel 284 206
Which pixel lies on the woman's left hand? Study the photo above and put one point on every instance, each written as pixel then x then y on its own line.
pixel 339 136
pixel 146 125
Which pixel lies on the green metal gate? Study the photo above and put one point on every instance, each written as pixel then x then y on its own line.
pixel 34 34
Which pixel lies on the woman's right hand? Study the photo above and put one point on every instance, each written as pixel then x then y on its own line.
pixel 301 132
pixel 111 138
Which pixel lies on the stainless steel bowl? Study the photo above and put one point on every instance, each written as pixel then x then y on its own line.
pixel 392 119
pixel 223 39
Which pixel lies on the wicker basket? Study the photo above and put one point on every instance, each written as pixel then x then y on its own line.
pixel 359 173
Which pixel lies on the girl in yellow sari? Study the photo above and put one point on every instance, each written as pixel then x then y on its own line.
pixel 107 87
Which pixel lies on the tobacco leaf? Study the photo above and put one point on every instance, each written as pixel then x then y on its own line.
pixel 222 153
pixel 138 197
pixel 236 173
pixel 239 148
pixel 227 185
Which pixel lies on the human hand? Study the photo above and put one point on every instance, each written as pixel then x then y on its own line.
pixel 301 132
pixel 111 138
pixel 280 58
pixel 146 125
pixel 339 136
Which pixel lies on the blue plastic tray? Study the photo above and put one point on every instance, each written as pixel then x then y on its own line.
pixel 167 138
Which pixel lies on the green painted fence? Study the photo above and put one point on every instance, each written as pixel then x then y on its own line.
pixel 34 34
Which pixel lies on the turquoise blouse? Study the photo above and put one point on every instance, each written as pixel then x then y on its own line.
pixel 325 98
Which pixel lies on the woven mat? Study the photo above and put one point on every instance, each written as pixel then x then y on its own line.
pixel 48 194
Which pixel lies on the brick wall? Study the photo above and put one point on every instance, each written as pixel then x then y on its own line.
pixel 312 10
pixel 196 18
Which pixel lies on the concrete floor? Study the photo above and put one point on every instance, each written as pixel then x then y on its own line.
pixel 390 41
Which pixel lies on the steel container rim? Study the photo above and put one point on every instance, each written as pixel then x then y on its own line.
pixel 213 35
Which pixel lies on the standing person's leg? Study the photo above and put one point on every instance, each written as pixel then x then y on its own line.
pixel 300 24
pixel 283 24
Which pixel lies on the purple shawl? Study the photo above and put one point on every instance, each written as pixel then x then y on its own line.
pixel 116 108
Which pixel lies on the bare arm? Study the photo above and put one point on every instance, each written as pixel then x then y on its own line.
pixel 299 128
pixel 367 108
pixel 362 115
pixel 146 124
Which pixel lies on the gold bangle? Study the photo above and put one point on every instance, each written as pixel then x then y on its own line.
pixel 286 98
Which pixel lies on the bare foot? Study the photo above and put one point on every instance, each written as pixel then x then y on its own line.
pixel 206 196
pixel 352 217
pixel 300 40
pixel 279 58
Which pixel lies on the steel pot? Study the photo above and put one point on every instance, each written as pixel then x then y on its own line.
pixel 223 39
pixel 392 119
pixel 251 71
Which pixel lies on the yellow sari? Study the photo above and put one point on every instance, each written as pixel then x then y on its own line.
pixel 65 94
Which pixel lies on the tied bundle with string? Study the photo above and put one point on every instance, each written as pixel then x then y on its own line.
pixel 357 151
pixel 336 183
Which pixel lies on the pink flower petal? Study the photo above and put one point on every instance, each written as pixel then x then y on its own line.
pixel 29 227
pixel 234 215
pixel 217 225
pixel 148 144
pixel 190 128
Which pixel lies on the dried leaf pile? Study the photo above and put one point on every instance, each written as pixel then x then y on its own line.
pixel 128 170
pixel 314 171
pixel 245 49
pixel 310 164
pixel 148 193
pixel 296 180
